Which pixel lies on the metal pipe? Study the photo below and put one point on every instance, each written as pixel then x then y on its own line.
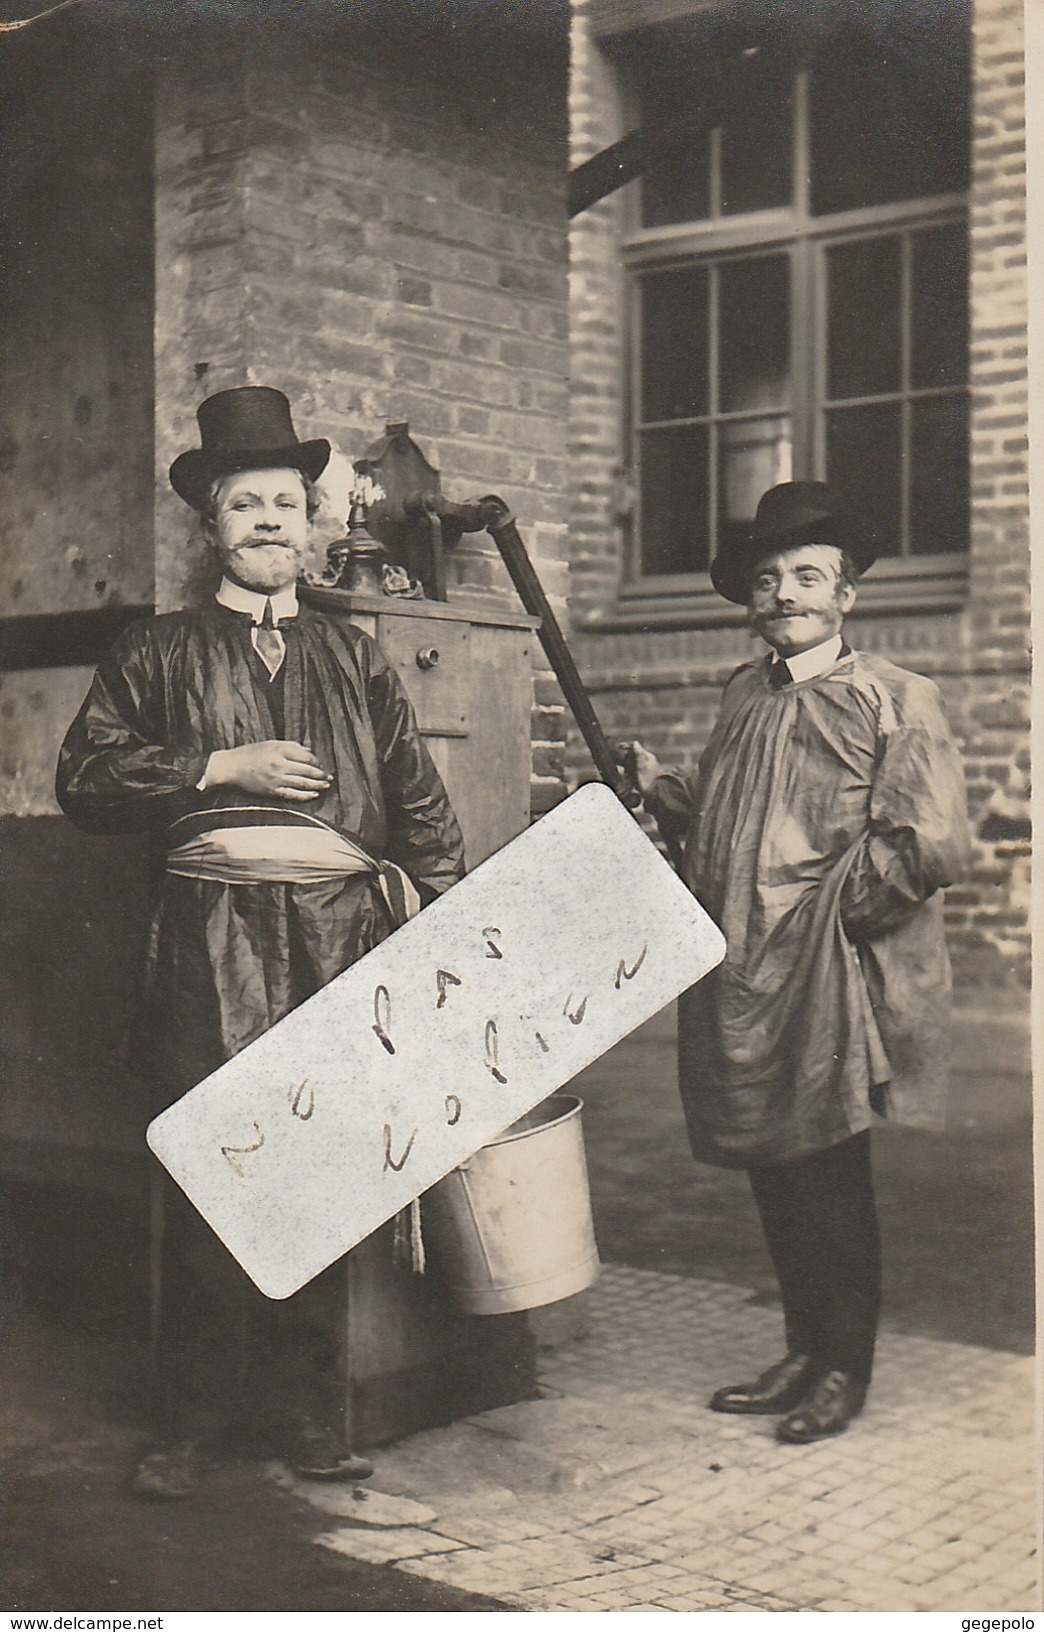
pixel 500 524
pixel 638 151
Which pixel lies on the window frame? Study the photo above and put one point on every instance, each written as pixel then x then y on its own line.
pixel 936 582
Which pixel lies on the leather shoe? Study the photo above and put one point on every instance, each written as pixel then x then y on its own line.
pixel 830 1407
pixel 780 1388
pixel 318 1453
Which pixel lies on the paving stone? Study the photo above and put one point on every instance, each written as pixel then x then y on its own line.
pixel 372 1508
pixel 619 1491
pixel 915 1575
pixel 383 1546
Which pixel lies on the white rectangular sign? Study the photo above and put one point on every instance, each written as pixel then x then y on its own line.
pixel 468 1016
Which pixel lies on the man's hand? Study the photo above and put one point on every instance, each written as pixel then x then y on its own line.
pixel 286 770
pixel 642 767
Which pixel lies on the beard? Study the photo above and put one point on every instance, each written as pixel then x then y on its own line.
pixel 266 566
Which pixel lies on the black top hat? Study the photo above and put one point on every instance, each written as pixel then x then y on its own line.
pixel 792 513
pixel 248 428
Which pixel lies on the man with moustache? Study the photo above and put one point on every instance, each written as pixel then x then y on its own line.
pixel 825 818
pixel 272 751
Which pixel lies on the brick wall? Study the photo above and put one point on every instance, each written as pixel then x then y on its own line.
pixel 663 686
pixel 383 236
pixel 990 911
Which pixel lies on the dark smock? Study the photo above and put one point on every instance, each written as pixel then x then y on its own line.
pixel 225 962
pixel 823 822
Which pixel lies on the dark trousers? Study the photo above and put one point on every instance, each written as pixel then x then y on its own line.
pixel 231 1367
pixel 820 1223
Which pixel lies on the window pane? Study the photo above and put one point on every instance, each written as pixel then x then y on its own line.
pixel 890 105
pixel 756 153
pixel 754 454
pixel 864 460
pixel 674 500
pixel 939 482
pixel 678 187
pixel 939 344
pixel 754 301
pixel 863 327
pixel 674 344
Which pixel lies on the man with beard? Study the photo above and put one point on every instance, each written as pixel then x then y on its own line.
pixel 272 751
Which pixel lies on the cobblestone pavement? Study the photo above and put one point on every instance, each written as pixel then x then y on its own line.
pixel 619 1490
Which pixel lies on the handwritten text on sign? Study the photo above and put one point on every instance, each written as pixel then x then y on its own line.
pixel 496 995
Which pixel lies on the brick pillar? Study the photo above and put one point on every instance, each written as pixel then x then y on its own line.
pixel 598 495
pixel 383 244
pixel 201 323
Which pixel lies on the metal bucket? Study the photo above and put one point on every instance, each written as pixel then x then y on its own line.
pixel 511 1228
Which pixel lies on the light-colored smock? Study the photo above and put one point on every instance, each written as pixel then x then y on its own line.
pixel 822 824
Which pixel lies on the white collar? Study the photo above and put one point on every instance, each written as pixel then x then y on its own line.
pixel 238 599
pixel 807 665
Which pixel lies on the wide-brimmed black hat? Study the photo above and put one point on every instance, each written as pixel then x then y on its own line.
pixel 248 428
pixel 790 514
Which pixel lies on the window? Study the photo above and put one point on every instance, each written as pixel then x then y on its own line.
pixel 799 290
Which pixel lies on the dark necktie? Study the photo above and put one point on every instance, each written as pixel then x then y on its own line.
pixel 779 675
pixel 268 642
